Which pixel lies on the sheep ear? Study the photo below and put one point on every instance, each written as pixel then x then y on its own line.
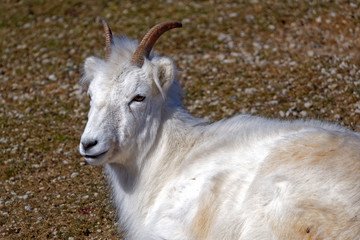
pixel 90 66
pixel 165 71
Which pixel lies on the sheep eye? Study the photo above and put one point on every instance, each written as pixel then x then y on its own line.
pixel 139 98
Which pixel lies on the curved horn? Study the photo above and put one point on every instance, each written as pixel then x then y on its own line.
pixel 108 39
pixel 146 45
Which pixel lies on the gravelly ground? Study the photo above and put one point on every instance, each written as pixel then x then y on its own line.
pixel 283 59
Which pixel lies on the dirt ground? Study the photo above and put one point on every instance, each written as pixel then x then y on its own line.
pixel 277 59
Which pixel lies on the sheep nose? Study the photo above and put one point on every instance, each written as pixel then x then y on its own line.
pixel 89 143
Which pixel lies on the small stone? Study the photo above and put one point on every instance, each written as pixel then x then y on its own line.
pixel 220 57
pixel 24 197
pixel 352 72
pixel 74 174
pixel 308 105
pixel 36 166
pixel 28 110
pixel 233 15
pixel 250 90
pixel 249 18
pixel 357 105
pixel 229 60
pixel 27 25
pixel 310 53
pixel 28 208
pixel 303 113
pixel 333 86
pixel 273 102
pixel 282 114
pixel 206 56
pixel 21 46
pixel 186 20
pixel 52 77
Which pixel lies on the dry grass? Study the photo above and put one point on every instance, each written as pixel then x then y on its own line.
pixel 281 59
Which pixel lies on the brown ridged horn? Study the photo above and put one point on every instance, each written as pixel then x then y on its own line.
pixel 146 45
pixel 108 39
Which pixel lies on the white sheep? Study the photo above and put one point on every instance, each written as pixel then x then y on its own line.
pixel 175 176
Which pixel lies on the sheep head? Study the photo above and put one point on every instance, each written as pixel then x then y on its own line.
pixel 128 92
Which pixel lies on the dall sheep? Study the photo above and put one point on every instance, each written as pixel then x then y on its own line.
pixel 175 176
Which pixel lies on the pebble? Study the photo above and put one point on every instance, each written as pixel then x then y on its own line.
pixel 74 174
pixel 24 197
pixel 249 18
pixel 308 105
pixel 28 208
pixel 250 90
pixel 273 102
pixel 229 61
pixel 52 77
pixel 224 37
pixel 185 20
pixel 220 57
pixel 333 86
pixel 303 113
pixel 28 110
pixel 233 15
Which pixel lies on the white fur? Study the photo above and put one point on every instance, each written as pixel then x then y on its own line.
pixel 177 177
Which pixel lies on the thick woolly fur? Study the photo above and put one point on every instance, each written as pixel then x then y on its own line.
pixel 178 177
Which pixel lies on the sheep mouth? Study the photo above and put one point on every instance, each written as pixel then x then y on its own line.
pixel 96 156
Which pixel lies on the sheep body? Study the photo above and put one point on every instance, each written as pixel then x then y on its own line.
pixel 256 179
pixel 177 177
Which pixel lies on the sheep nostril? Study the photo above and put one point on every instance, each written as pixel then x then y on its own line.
pixel 89 144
